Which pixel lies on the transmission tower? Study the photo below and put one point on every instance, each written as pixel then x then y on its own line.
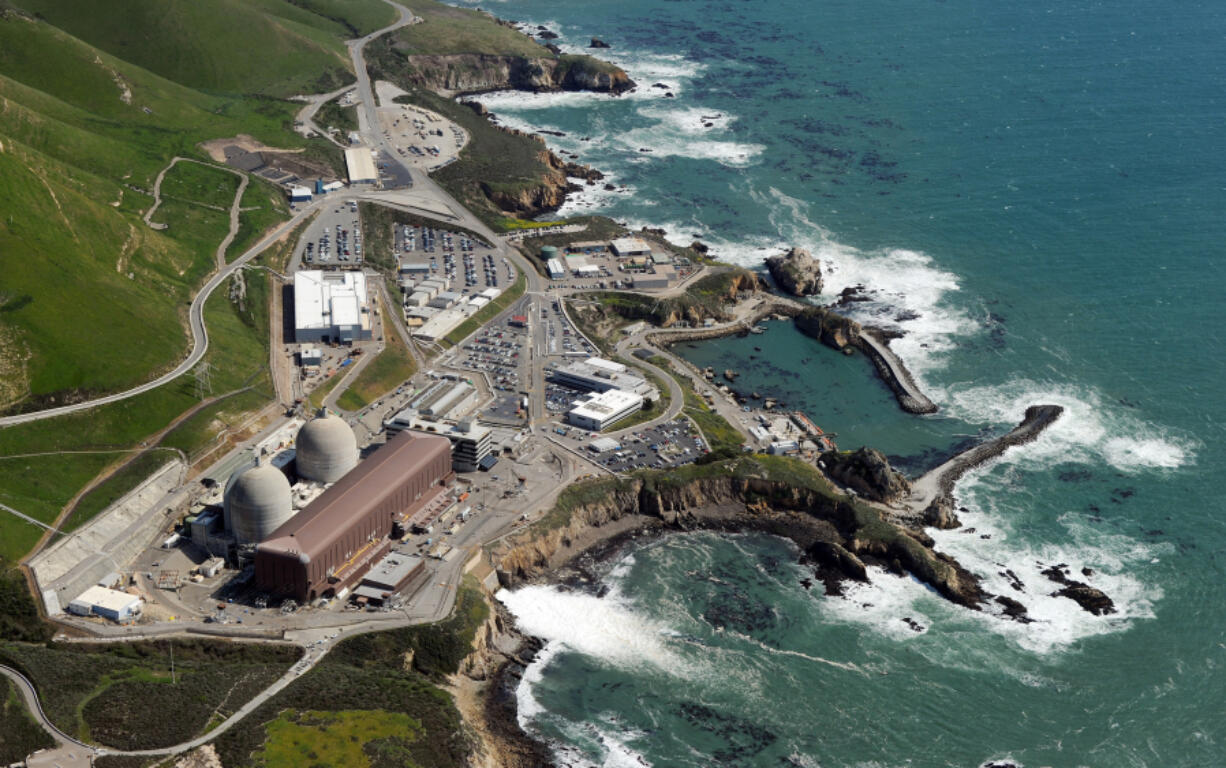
pixel 204 380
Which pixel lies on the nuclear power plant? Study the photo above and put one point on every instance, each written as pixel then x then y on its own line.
pixel 310 519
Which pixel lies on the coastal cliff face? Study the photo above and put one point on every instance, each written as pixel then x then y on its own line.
pixel 541 195
pixel 839 535
pixel 477 73
pixel 796 272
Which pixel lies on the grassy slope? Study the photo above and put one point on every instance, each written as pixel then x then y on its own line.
pixel 229 46
pixel 359 17
pixel 122 695
pixel 450 30
pixel 369 672
pixel 383 374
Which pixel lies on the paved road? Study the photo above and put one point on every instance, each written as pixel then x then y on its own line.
pixel 30 696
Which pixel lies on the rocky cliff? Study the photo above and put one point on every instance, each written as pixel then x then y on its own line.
pixel 796 272
pixel 829 327
pixel 867 472
pixel 838 534
pixel 476 73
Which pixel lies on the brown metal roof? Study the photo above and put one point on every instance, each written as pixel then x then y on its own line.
pixel 326 519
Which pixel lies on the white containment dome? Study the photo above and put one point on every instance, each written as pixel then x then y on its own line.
pixel 258 502
pixel 327 449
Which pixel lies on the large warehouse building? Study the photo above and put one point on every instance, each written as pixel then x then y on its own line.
pixel 360 162
pixel 332 543
pixel 330 306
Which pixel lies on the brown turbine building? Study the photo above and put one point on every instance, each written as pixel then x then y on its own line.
pixel 331 543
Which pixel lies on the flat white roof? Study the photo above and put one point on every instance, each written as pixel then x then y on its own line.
pixel 108 599
pixel 630 245
pixel 602 405
pixel 360 161
pixel 329 299
pixel 440 325
pixel 608 365
pixel 299 191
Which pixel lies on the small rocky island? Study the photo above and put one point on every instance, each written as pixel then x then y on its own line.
pixel 796 272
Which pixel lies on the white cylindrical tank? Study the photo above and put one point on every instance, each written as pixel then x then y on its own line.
pixel 258 503
pixel 327 449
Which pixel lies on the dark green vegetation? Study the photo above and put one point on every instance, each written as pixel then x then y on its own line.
pixel 122 694
pixel 372 672
pixel 19 619
pixel 448 30
pixel 359 17
pixel 333 116
pixel 19 733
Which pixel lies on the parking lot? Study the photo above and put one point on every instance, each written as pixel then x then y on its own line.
pixel 468 265
pixel 333 240
pixel 560 337
pixel 497 350
pixel 667 445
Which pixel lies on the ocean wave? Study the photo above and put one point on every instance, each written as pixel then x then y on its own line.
pixel 608 628
pixel 1090 430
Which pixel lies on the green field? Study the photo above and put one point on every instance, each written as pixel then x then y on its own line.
pixel 359 17
pixel 391 368
pixel 338 739
pixel 333 116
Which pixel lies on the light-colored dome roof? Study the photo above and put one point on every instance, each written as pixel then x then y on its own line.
pixel 258 503
pixel 326 449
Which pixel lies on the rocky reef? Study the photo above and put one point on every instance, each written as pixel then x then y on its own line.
pixel 796 272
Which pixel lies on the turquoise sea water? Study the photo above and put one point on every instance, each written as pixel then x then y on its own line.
pixel 1034 195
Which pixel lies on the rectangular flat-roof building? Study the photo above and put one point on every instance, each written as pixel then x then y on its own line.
pixel 624 247
pixel 440 325
pixel 360 163
pixel 602 410
pixel 299 195
pixel 599 375
pixel 330 306
pixel 107 603
pixel 555 269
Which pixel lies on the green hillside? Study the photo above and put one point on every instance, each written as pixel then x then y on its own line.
pixel 247 46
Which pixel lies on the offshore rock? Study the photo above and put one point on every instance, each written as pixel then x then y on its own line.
pixel 598 43
pixel 796 272
pixel 867 472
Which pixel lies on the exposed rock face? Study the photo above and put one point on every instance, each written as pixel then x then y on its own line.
pixel 547 194
pixel 476 73
pixel 868 473
pixel 796 272
pixel 1090 599
pixel 830 328
pixel 840 533
pixel 598 43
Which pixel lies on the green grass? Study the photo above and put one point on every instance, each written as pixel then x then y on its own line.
pixel 450 30
pixel 489 311
pixel 263 208
pixel 359 17
pixel 20 734
pixel 203 184
pixel 391 368
pixel 342 739
pixel 114 487
pixel 320 393
pixel 121 694
pixel 229 46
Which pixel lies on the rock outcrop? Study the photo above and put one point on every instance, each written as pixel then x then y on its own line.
pixel 839 534
pixel 796 272
pixel 479 73
pixel 867 472
pixel 1090 599
pixel 830 328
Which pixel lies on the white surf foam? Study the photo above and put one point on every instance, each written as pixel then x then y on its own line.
pixel 607 629
pixel 1089 431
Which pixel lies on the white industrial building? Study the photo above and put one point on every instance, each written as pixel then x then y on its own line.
pixel 330 306
pixel 440 325
pixel 599 375
pixel 625 247
pixel 299 195
pixel 446 299
pixel 107 603
pixel 360 163
pixel 602 410
pixel 555 269
pixel 471 443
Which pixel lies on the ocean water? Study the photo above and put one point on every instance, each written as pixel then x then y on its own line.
pixel 1033 195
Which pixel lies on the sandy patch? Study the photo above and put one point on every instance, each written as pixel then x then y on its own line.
pixel 216 147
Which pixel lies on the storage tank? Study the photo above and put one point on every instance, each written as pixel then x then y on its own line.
pixel 327 449
pixel 257 503
pixel 549 252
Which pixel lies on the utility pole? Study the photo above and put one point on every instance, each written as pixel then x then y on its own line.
pixel 204 379
pixel 172 663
